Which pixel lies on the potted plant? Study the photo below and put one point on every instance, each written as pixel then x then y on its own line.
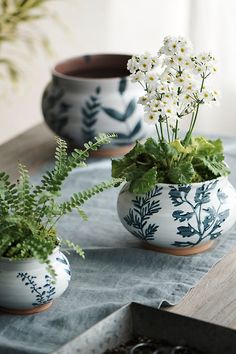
pixel 20 22
pixel 33 270
pixel 177 196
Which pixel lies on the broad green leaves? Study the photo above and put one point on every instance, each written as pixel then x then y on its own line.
pixel 152 162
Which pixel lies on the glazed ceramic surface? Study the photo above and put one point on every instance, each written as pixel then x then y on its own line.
pixel 179 216
pixel 86 97
pixel 26 284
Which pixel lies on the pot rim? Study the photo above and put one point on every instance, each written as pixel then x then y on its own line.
pixel 27 260
pixel 58 74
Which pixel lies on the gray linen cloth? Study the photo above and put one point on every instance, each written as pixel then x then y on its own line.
pixel 115 272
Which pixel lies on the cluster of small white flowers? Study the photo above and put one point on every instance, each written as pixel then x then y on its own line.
pixel 173 80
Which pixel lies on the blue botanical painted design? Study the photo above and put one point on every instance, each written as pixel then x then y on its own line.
pixel 122 85
pixel 202 221
pixel 55 109
pixel 125 139
pixel 121 116
pixel 89 114
pixel 43 294
pixel 62 259
pixel 144 208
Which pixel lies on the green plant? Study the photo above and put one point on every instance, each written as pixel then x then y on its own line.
pixel 29 213
pixel 16 16
pixel 174 86
pixel 152 162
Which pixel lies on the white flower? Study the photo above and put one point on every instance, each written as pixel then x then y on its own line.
pixel 175 46
pixel 150 77
pixel 173 80
pixel 204 63
pixel 164 87
pixel 185 98
pixel 168 75
pixel 138 76
pixel 152 81
pixel 151 117
pixel 132 64
pixel 168 108
pixel 207 96
pixel 155 105
pixel 145 64
pixel 143 100
pixel 187 64
pixel 179 59
pixel 155 61
pixel 216 97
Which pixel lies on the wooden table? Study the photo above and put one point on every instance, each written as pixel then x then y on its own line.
pixel 212 300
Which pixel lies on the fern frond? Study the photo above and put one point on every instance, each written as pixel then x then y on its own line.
pixel 26 201
pixel 28 214
pixel 8 194
pixel 82 214
pixel 78 199
pixel 60 155
pixel 53 180
pixel 74 247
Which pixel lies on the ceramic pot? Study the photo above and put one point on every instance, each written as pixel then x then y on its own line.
pixel 26 286
pixel 179 219
pixel 93 94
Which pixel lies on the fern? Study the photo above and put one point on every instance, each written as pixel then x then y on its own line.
pixel 53 180
pixel 25 199
pixel 28 213
pixel 78 199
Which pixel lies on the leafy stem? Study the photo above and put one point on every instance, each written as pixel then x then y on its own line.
pixel 30 213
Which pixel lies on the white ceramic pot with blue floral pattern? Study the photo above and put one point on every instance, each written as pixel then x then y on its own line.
pixel 93 94
pixel 179 219
pixel 26 287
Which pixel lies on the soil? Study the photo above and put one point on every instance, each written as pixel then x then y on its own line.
pixel 149 346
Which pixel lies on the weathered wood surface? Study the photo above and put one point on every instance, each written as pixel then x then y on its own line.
pixel 212 300
pixel 32 148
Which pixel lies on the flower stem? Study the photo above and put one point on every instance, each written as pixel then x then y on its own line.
pixel 158 134
pixel 168 131
pixel 176 129
pixel 162 134
pixel 194 118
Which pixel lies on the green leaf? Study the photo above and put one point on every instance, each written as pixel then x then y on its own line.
pixel 216 167
pixel 145 183
pixel 118 167
pixel 152 148
pixel 168 150
pixel 218 148
pixel 202 146
pixel 201 160
pixel 181 174
pixel 180 148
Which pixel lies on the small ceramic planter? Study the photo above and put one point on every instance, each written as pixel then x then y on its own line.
pixel 180 219
pixel 93 94
pixel 26 286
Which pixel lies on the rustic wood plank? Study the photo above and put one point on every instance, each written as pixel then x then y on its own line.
pixel 32 148
pixel 212 300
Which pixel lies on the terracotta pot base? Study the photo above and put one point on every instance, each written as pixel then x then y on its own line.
pixel 32 311
pixel 188 251
pixel 119 151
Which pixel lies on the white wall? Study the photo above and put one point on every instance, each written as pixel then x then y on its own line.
pixel 128 26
